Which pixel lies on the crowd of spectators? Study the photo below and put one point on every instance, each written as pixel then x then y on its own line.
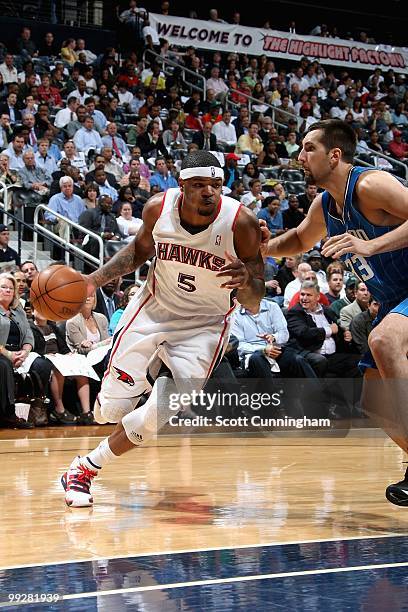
pixel 93 136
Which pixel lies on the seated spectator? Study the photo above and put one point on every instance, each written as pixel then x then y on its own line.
pixel 269 156
pixel 128 225
pixel 115 142
pixel 48 94
pixel 299 271
pixel 281 193
pixel 292 217
pixel 213 116
pixel 65 203
pixel 311 326
pixel 314 259
pixel 91 195
pixel 205 139
pixel 256 197
pixel 7 254
pixel 9 177
pixel 161 179
pixel 100 121
pixel 14 152
pixel 73 126
pixel 251 172
pixel 231 173
pixel 173 138
pixel 33 177
pixel 263 350
pixel 335 283
pixel 150 142
pixel 11 107
pixel 8 70
pixel 68 53
pixel 250 143
pixel 272 215
pixel 193 119
pixel 112 164
pixel 43 159
pixel 48 339
pixel 33 132
pixel 124 301
pixel 360 303
pixel 306 199
pixel 237 190
pixel 6 131
pixel 286 272
pixel 107 299
pixel 105 188
pixel 136 166
pixel 102 221
pixel 48 48
pixel 99 164
pixel 68 114
pixel 76 158
pixel 87 138
pixel 291 144
pixel 362 324
pixel 398 148
pixel 134 195
pixel 30 271
pixel 311 277
pixel 16 343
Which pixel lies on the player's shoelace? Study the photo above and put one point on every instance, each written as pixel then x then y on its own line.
pixel 81 480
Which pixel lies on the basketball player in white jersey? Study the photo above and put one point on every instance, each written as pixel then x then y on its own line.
pixel 206 247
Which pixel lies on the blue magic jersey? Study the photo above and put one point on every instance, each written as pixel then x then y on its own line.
pixel 386 274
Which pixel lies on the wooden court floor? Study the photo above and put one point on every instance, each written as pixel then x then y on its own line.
pixel 194 492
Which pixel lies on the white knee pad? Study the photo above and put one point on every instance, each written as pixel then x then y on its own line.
pixel 112 410
pixel 143 423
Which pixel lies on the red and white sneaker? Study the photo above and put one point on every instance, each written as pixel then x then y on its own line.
pixel 77 484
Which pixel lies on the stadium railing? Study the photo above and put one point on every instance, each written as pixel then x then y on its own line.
pixel 164 61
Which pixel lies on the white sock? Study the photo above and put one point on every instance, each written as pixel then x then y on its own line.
pixel 100 456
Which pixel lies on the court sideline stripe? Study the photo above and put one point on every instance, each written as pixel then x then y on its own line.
pixel 199 550
pixel 200 583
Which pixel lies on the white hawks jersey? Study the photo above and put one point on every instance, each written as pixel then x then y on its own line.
pixel 183 276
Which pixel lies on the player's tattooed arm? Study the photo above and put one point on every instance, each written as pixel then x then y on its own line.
pixel 133 255
pixel 246 271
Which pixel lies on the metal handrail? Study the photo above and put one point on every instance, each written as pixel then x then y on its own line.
pixel 4 203
pixel 66 240
pixel 389 159
pixel 271 106
pixel 185 70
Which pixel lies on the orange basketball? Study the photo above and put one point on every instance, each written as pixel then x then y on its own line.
pixel 58 293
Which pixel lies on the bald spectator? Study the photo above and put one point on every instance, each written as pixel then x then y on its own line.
pixel 206 140
pixel 29 123
pixel 116 142
pixel 294 286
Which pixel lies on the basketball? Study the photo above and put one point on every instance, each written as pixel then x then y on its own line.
pixel 58 293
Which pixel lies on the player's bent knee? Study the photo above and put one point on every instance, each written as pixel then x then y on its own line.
pixel 381 344
pixel 113 410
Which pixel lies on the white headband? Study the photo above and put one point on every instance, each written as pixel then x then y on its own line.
pixel 202 171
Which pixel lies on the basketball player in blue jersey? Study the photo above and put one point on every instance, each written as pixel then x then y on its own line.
pixel 364 212
pixel 206 247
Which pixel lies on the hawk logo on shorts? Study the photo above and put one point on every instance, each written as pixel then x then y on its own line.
pixel 124 377
pixel 212 171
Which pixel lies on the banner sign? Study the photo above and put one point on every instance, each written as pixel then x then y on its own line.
pixel 275 44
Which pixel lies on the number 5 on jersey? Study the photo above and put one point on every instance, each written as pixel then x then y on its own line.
pixel 185 282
